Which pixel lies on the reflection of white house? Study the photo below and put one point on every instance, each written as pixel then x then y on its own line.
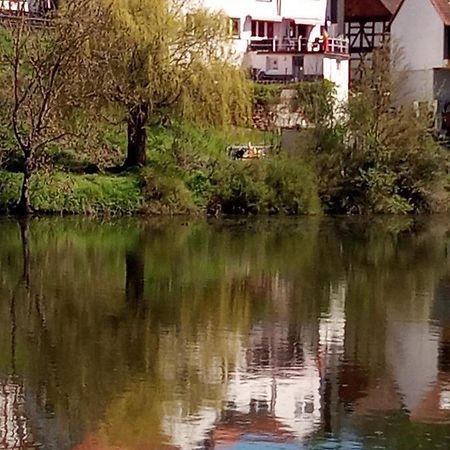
pixel 424 62
pixel 284 39
pixel 290 397
pixel 413 347
pixel 274 389
pixel 14 430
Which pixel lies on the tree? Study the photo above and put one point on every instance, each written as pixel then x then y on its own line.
pixel 170 58
pixel 377 156
pixel 44 79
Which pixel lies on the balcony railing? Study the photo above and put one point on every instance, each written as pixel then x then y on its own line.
pixel 26 7
pixel 300 45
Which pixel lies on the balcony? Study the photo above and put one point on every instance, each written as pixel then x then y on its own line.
pixel 334 46
pixel 36 8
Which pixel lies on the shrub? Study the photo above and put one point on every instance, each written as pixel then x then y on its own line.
pixel 165 194
pixel 292 187
pixel 271 186
pixel 378 157
pixel 238 188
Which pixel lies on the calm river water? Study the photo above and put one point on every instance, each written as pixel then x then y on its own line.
pixel 232 335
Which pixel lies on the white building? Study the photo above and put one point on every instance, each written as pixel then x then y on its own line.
pixel 284 40
pixel 26 6
pixel 420 32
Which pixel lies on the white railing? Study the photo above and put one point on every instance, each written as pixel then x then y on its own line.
pixel 32 7
pixel 301 45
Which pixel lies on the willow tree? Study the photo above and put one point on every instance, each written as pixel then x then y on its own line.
pixel 170 58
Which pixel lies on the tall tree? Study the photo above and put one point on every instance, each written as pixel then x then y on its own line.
pixel 44 79
pixel 170 58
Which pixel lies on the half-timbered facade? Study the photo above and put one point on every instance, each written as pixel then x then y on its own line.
pixel 367 24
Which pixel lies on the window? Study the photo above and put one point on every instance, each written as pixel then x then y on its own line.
pixel 262 29
pixel 447 43
pixel 235 27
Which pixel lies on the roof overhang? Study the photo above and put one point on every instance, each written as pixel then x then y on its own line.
pixel 265 18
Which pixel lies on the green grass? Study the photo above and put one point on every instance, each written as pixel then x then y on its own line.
pixel 74 194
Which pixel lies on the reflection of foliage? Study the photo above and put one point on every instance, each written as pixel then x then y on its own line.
pixel 204 287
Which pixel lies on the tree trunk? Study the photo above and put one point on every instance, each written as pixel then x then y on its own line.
pixel 137 136
pixel 24 205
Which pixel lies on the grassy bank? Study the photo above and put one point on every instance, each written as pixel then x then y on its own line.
pixel 188 172
pixel 232 187
pixel 58 192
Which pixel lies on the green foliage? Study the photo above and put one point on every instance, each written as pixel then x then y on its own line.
pixel 266 94
pixel 159 65
pixel 74 194
pixel 165 194
pixel 293 189
pixel 317 100
pixel 271 186
pixel 9 190
pixel 376 157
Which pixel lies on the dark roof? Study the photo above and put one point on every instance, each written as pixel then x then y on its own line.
pixel 381 10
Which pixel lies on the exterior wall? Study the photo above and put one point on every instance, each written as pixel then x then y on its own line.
pixel 306 11
pixel 282 13
pixel 240 9
pixel 31 6
pixel 310 12
pixel 414 86
pixel 415 58
pixel 261 61
pixel 337 71
pixel 313 65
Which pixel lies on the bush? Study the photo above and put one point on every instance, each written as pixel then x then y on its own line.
pixel 165 194
pixel 378 157
pixel 270 186
pixel 292 187
pixel 238 187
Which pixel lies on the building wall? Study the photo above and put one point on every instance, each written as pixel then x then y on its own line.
pixel 310 12
pixel 413 85
pixel 414 58
pixel 262 62
pixel 337 71
pixel 305 11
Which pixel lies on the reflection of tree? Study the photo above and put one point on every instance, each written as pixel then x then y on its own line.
pixel 130 378
pixel 15 430
pixel 135 267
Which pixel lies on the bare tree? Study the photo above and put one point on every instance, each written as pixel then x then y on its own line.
pixel 45 80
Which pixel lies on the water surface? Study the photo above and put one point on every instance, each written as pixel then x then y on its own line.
pixel 272 334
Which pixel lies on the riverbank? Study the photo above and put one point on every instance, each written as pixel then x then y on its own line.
pixel 232 187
